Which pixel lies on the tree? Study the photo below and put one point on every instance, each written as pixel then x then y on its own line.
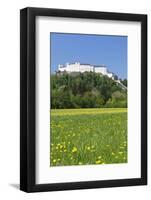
pixel 124 82
pixel 85 90
pixel 115 77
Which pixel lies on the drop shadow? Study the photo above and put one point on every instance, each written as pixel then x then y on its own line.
pixel 15 185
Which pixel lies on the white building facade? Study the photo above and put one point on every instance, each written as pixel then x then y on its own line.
pixel 78 67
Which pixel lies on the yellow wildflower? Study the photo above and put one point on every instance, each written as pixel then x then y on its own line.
pixel 88 148
pixel 74 150
pixel 98 161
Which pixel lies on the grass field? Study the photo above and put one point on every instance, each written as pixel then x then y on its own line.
pixel 88 136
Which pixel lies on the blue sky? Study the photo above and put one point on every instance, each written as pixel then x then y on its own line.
pixel 93 49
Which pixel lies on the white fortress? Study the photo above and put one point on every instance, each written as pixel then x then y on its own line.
pixel 79 67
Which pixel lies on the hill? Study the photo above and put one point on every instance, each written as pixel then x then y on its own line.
pixel 86 90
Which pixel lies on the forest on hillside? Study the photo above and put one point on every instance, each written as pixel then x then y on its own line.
pixel 86 90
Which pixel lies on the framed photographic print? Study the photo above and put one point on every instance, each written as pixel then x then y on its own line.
pixel 83 99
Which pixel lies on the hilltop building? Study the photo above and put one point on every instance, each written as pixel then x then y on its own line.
pixel 79 67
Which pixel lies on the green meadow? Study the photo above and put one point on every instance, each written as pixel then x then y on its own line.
pixel 88 136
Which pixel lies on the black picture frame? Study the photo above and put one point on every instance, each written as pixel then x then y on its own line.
pixel 28 99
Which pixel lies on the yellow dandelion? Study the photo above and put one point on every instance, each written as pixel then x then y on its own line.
pixel 74 150
pixel 88 148
pixel 98 161
pixel 54 161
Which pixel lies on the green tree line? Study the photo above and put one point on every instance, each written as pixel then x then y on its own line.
pixel 86 90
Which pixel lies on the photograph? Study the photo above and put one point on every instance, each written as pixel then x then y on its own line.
pixel 83 99
pixel 88 99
